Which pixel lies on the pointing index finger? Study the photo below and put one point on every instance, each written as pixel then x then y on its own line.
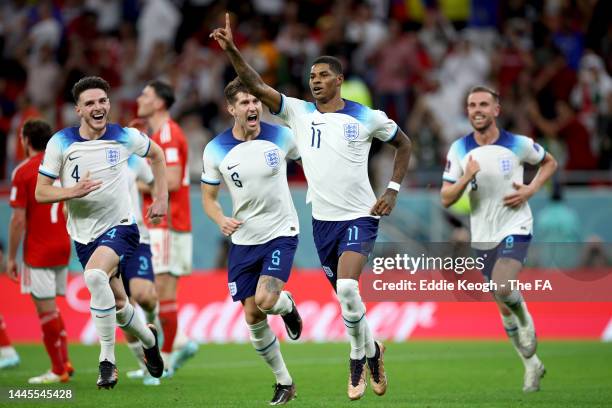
pixel 227 21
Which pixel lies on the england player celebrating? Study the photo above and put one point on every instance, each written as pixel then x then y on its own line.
pixel 90 162
pixel 334 137
pixel 250 158
pixel 489 162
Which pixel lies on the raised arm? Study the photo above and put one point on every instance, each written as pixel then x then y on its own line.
pixel 213 209
pixel 403 149
pixel 249 77
pixel 159 207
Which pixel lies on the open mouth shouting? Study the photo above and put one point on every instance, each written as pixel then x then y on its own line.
pixel 252 119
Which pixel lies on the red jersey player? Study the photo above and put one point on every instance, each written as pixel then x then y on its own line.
pixel 171 240
pixel 46 250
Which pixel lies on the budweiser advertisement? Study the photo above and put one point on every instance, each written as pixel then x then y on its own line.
pixel 207 314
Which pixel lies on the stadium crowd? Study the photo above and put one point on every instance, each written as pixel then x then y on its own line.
pixel 550 60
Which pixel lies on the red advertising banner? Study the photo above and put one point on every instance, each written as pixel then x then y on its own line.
pixel 207 314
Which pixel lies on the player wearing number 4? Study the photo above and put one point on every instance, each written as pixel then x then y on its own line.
pixel 90 162
pixel 334 136
pixel 489 162
pixel 45 260
pixel 250 158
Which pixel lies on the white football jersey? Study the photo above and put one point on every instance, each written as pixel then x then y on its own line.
pixel 255 173
pixel 501 164
pixel 334 148
pixel 69 157
pixel 139 170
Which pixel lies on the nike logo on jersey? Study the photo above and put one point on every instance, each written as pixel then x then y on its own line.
pixel 317 124
pixel 73 158
pixel 231 167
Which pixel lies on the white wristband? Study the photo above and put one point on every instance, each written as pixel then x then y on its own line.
pixel 394 186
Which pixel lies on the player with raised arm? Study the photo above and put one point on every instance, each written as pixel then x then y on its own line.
pixel 45 261
pixel 171 240
pixel 90 160
pixel 334 136
pixel 489 163
pixel 138 278
pixel 251 158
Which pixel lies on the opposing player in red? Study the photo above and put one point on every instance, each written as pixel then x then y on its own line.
pixel 171 240
pixel 46 250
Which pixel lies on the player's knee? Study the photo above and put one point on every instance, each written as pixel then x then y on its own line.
pixel 95 279
pixel 253 316
pixel 350 300
pixel 144 299
pixel 265 301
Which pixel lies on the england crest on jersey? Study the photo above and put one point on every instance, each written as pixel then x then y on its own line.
pixel 112 156
pixel 505 165
pixel 351 131
pixel 272 158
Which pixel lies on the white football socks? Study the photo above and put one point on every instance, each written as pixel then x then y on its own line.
pixel 267 346
pixel 136 348
pixel 353 313
pixel 129 321
pixel 102 307
pixel 510 325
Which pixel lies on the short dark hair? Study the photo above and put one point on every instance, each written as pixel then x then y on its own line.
pixel 37 132
pixel 483 88
pixel 334 63
pixel 90 82
pixel 164 91
pixel 233 88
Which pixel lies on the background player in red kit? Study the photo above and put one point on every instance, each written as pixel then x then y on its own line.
pixel 46 250
pixel 171 240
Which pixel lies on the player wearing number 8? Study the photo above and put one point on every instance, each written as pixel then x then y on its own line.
pixel 46 250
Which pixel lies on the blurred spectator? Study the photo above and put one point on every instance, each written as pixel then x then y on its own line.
pixel 556 225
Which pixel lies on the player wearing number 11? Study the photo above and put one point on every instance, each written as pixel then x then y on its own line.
pixel 333 136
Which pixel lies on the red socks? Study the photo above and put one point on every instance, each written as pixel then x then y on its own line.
pixel 169 321
pixel 51 328
pixel 4 339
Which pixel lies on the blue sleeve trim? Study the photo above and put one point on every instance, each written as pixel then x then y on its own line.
pixel 281 107
pixel 450 180
pixel 542 159
pixel 148 148
pixel 394 134
pixel 44 173
pixel 210 182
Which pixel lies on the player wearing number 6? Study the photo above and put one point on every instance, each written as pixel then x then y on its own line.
pixel 46 251
pixel 90 162
pixel 250 159
pixel 334 136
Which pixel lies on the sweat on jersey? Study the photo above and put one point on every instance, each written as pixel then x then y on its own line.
pixel 69 157
pixel 255 173
pixel 501 164
pixel 139 170
pixel 334 147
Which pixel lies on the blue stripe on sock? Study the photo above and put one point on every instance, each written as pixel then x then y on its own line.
pixel 263 350
pixel 102 310
pixel 349 323
pixel 130 320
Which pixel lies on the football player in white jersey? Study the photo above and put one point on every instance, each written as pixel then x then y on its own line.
pixel 251 158
pixel 138 277
pixel 90 161
pixel 334 136
pixel 489 164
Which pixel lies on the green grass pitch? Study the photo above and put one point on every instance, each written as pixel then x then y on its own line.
pixel 421 374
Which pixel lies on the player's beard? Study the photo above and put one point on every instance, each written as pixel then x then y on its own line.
pixel 484 126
